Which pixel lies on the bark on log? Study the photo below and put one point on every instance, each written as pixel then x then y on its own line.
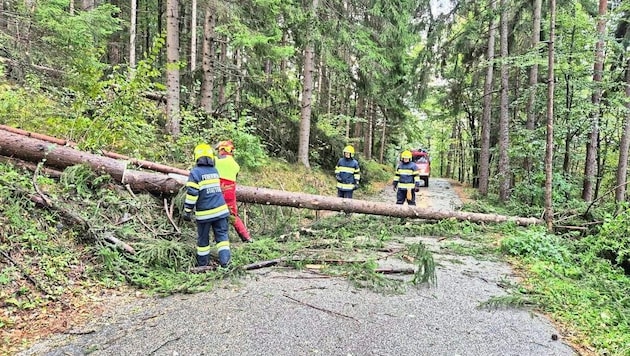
pixel 318 202
pixel 57 156
pixel 136 162
pixel 151 182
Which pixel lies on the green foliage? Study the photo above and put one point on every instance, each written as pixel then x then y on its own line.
pixel 535 243
pixel 79 39
pixel 250 152
pixel 169 254
pixel 576 283
pixel 28 108
pixel 425 263
pixel 81 180
pixel 612 242
pixel 372 171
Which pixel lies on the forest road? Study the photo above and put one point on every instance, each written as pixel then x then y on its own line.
pixel 287 312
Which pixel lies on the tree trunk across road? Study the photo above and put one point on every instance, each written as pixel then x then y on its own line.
pixel 23 147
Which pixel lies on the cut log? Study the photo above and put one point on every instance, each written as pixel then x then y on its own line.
pixel 58 156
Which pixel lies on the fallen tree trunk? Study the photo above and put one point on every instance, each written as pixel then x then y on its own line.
pixel 318 202
pixel 136 162
pixel 57 156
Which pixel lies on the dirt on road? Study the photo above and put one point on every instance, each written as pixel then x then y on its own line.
pixel 280 311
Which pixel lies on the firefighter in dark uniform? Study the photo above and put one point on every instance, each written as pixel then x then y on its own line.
pixel 407 181
pixel 348 174
pixel 204 196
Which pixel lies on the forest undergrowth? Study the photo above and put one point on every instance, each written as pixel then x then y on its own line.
pixel 60 266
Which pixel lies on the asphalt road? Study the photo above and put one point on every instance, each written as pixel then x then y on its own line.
pixel 285 312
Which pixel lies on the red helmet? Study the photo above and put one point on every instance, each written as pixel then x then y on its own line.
pixel 226 146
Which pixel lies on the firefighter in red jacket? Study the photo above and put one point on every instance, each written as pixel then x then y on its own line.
pixel 228 171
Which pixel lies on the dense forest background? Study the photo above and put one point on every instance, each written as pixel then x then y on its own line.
pixel 489 87
pixel 526 102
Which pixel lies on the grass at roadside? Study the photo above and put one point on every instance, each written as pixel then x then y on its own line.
pixel 55 274
pixel 58 264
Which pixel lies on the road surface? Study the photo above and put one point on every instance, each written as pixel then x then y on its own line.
pixel 286 312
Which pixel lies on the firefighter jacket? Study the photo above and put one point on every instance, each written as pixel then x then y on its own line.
pixel 203 194
pixel 347 173
pixel 406 176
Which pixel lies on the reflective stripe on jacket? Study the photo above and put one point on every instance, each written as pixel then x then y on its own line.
pixel 203 194
pixel 347 173
pixel 406 176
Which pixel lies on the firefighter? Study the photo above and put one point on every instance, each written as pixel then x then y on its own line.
pixel 203 195
pixel 228 171
pixel 348 173
pixel 407 181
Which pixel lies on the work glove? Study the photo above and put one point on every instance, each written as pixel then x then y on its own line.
pixel 416 189
pixel 187 216
pixel 338 177
pixel 356 186
pixel 395 186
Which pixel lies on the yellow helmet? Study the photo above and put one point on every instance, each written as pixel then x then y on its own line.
pixel 349 149
pixel 203 150
pixel 405 154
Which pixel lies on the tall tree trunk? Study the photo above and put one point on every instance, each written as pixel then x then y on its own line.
pixel 474 133
pixel 569 94
pixel 381 155
pixel 193 51
pixel 133 23
pixel 624 144
pixel 591 147
pixel 283 61
pixel 533 80
pixel 484 155
pixel 550 124
pixel 461 171
pixel 87 5
pixel 367 135
pixel 208 51
pixel 504 122
pixel 224 76
pixel 114 45
pixel 172 67
pixel 307 94
pixel 451 152
pixel 238 63
pixel 359 114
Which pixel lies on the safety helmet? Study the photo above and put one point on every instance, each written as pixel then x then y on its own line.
pixel 349 149
pixel 226 146
pixel 405 154
pixel 203 150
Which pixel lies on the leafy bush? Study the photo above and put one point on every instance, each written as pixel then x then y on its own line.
pixel 535 243
pixel 612 242
pixel 196 128
pixel 372 171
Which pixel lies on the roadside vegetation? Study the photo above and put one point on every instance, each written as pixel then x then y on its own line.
pixel 387 79
pixel 56 273
pixel 52 267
